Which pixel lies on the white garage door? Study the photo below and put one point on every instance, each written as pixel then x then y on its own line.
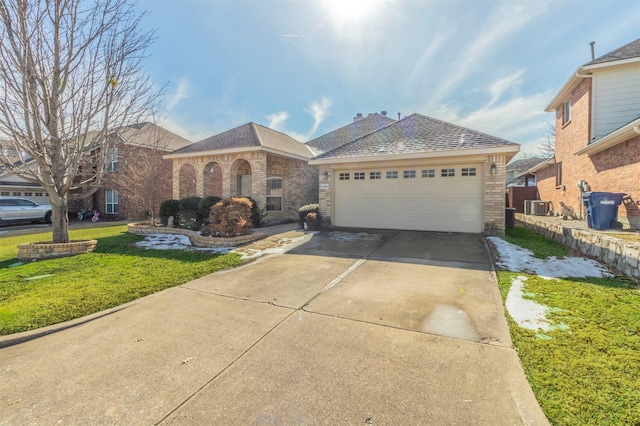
pixel 426 198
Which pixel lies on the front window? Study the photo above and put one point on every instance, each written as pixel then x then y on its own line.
pixel 111 198
pixel 112 159
pixel 274 194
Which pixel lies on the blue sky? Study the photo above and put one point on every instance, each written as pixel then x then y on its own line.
pixel 306 67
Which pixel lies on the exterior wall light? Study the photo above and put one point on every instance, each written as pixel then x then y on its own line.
pixel 493 169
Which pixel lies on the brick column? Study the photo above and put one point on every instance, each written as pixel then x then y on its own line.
pixel 325 192
pixel 494 195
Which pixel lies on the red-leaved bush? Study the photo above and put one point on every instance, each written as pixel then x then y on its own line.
pixel 231 217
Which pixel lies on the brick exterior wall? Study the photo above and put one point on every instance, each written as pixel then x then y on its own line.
pixel 130 179
pixel 613 170
pixel 299 179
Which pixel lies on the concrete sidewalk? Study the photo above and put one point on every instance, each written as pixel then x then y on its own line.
pixel 299 338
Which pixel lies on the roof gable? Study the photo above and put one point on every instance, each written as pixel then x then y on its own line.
pixel 416 134
pixel 346 134
pixel 247 136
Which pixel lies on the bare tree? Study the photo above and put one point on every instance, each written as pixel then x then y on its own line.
pixel 548 146
pixel 141 173
pixel 70 70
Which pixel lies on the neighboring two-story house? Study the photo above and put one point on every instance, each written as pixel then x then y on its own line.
pixel 137 177
pixel 597 134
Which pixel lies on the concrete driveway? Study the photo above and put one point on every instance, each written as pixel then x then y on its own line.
pixel 361 327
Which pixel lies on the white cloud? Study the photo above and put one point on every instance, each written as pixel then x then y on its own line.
pixel 276 120
pixel 510 19
pixel 180 93
pixel 498 88
pixel 318 110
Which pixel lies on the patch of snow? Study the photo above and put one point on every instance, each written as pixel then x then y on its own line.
pixel 176 242
pixel 525 312
pixel 350 236
pixel 518 259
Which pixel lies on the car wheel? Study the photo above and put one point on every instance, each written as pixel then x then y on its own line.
pixel 47 217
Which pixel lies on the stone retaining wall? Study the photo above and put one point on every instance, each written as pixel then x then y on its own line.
pixel 195 238
pixel 45 250
pixel 620 254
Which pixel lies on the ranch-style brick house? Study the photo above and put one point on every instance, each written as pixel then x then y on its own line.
pixel 251 161
pixel 597 122
pixel 416 173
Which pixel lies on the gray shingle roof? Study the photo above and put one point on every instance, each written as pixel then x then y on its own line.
pixel 249 135
pixel 152 135
pixel 524 163
pixel 414 134
pixel 346 134
pixel 628 51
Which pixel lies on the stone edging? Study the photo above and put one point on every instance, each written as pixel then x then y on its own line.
pixel 195 238
pixel 46 250
pixel 615 252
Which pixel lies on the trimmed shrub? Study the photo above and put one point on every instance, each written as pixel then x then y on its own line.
pixel 169 208
pixel 189 212
pixel 313 221
pixel 305 210
pixel 257 214
pixel 204 208
pixel 231 217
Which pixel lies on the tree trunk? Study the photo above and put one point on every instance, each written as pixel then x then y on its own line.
pixel 60 223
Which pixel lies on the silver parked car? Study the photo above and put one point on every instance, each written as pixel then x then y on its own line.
pixel 16 209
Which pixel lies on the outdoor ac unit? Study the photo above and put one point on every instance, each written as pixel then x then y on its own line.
pixel 527 207
pixel 540 208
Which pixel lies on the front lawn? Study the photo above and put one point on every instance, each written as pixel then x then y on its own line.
pixel 587 373
pixel 42 293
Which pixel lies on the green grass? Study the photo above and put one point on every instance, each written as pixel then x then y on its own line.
pixel 115 273
pixel 588 374
pixel 540 246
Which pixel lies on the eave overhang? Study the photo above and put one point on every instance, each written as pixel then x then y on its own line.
pixel 509 150
pixel 235 151
pixel 612 139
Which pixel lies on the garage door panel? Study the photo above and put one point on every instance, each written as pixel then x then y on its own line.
pixel 432 204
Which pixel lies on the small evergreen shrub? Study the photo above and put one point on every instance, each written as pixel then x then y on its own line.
pixel 169 208
pixel 257 214
pixel 231 217
pixel 305 210
pixel 204 209
pixel 189 212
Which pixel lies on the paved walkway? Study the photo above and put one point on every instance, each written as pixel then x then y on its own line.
pixel 376 327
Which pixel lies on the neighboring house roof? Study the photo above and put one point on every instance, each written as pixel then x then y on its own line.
pixel 153 136
pixel 418 134
pixel 346 134
pixel 541 165
pixel 629 53
pixel 250 135
pixel 523 164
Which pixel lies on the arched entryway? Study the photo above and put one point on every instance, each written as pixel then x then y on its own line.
pixel 187 178
pixel 212 180
pixel 241 178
